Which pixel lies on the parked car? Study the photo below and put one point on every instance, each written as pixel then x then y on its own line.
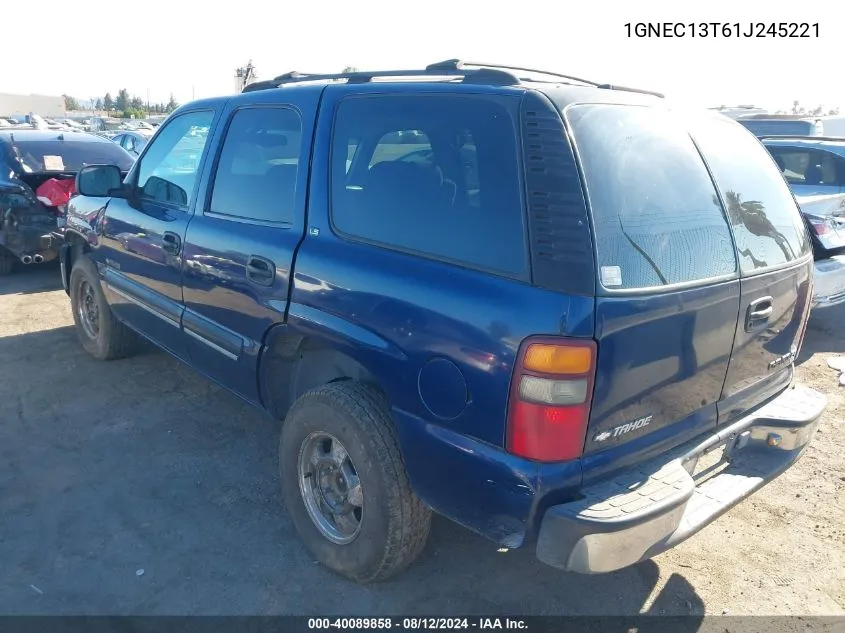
pixel 132 141
pixel 534 346
pixel 782 125
pixel 814 168
pixel 28 158
pixel 811 166
pixel 825 219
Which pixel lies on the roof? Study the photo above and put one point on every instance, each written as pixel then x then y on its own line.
pixel 49 135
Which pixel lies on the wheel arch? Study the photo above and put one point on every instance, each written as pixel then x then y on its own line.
pixel 75 246
pixel 293 363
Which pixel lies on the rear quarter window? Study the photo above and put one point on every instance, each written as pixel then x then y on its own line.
pixel 765 219
pixel 656 216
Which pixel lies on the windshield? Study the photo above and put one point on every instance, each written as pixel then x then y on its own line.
pixel 56 155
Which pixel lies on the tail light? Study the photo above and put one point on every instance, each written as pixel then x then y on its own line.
pixel 820 226
pixel 550 395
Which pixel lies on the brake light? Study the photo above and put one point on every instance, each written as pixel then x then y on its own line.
pixel 550 395
pixel 820 227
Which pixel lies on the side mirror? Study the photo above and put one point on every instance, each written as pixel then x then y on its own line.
pixel 99 181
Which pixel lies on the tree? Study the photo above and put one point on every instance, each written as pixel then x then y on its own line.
pixel 833 112
pixel 134 113
pixel 136 103
pixel 795 107
pixel 98 105
pixel 350 69
pixel 108 102
pixel 122 101
pixel 71 103
pixel 816 111
pixel 172 104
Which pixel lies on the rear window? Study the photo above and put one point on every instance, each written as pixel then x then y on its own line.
pixel 657 218
pixel 55 155
pixel 766 222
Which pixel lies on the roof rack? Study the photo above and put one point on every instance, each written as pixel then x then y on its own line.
pixel 451 64
pixel 480 73
pixel 457 64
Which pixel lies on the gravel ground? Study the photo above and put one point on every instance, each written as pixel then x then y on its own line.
pixel 139 487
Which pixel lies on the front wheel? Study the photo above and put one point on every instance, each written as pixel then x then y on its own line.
pixel 101 334
pixel 345 485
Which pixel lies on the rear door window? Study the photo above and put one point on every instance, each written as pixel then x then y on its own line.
pixel 764 217
pixel 434 175
pixel 657 218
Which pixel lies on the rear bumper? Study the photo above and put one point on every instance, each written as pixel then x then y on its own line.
pixel 829 282
pixel 641 513
pixel 29 241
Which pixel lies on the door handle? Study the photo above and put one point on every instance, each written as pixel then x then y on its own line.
pixel 758 312
pixel 171 242
pixel 260 270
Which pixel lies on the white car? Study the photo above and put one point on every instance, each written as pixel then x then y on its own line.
pixel 825 219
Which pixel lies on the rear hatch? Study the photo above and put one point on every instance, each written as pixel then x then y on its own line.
pixel 683 321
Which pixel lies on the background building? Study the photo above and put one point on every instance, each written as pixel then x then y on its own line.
pixel 46 106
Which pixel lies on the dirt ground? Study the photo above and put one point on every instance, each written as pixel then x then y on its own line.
pixel 139 487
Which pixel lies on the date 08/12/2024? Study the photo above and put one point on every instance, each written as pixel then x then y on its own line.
pixel 722 29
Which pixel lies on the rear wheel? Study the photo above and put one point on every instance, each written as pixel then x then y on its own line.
pixel 101 334
pixel 345 485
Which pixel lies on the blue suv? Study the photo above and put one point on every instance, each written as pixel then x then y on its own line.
pixel 551 310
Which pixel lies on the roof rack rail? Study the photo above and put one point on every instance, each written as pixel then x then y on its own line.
pixel 481 75
pixel 627 89
pixel 457 64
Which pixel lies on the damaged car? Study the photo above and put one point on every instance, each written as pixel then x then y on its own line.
pixel 825 219
pixel 37 173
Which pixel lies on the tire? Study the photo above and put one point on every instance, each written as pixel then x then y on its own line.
pixel 393 523
pixel 109 339
pixel 7 261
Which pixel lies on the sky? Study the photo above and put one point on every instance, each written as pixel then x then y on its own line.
pixel 191 49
